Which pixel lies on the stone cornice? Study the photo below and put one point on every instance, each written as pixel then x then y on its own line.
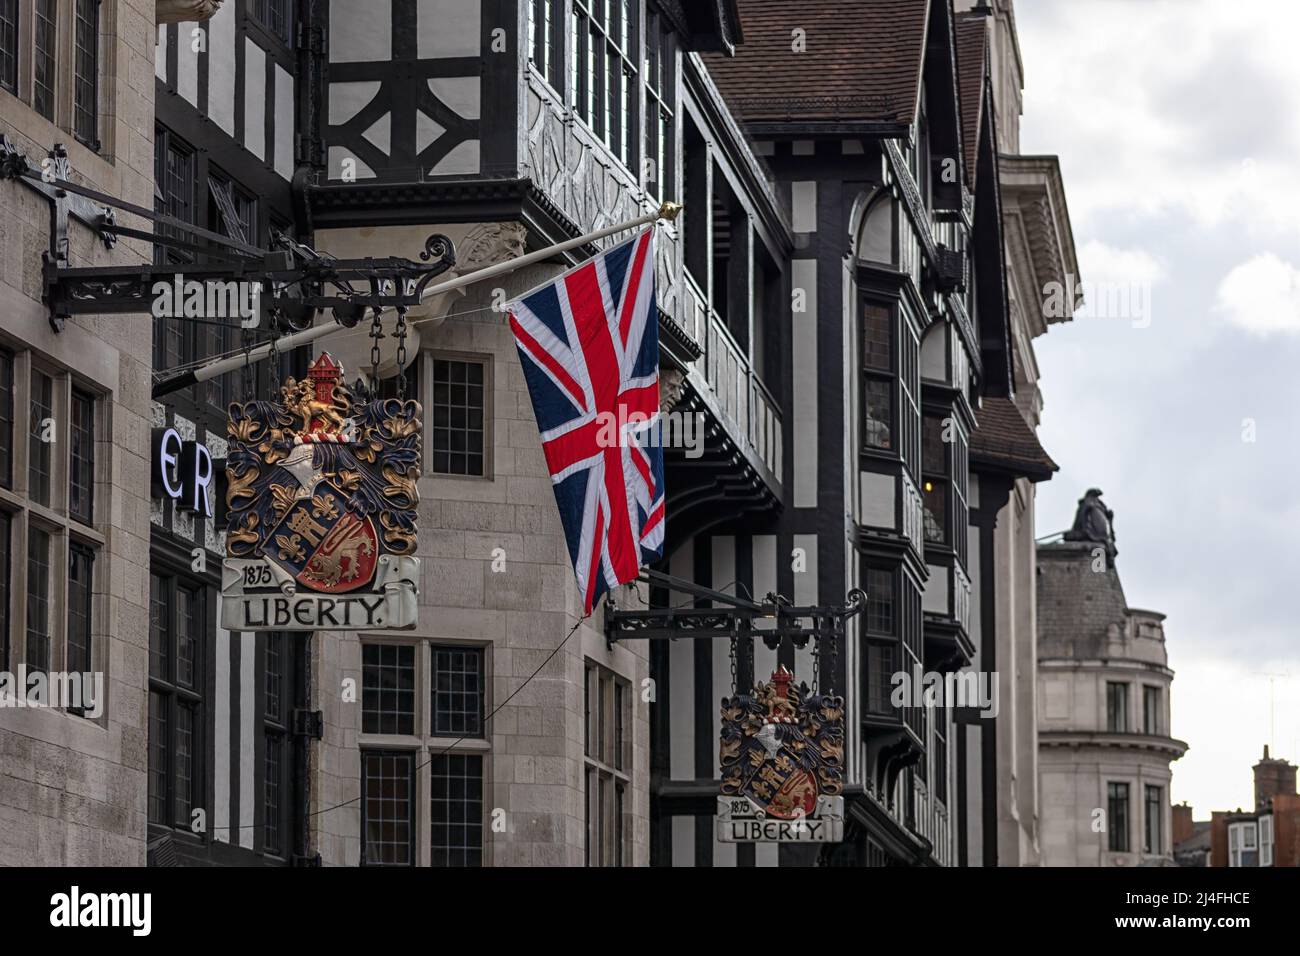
pixel 1170 746
pixel 1035 213
pixel 186 11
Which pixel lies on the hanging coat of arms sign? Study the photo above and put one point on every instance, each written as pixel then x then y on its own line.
pixel 782 762
pixel 322 503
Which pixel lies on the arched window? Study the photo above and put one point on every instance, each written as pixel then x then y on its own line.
pixel 876 238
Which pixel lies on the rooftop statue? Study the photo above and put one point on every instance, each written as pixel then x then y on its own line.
pixel 1093 521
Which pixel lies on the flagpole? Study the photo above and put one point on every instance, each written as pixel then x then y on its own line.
pixel 667 211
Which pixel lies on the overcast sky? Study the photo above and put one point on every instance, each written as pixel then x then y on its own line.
pixel 1178 127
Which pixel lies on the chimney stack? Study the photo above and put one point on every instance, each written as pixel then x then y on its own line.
pixel 1273 776
pixel 1182 822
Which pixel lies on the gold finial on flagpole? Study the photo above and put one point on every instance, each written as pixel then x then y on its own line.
pixel 670 210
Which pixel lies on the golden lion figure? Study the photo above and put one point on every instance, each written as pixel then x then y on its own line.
pixel 300 399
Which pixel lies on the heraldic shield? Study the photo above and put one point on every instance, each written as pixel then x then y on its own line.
pixel 782 762
pixel 322 502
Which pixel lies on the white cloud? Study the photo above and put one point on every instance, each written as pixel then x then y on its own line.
pixel 1100 262
pixel 1188 107
pixel 1262 296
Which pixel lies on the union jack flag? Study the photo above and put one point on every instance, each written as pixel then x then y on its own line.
pixel 589 345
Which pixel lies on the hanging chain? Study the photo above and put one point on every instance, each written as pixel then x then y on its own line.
pixel 273 359
pixel 834 649
pixel 376 333
pixel 401 352
pixel 247 344
pixel 816 657
pixel 733 665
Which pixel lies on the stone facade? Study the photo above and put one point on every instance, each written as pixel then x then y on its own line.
pixel 1103 718
pixel 495 574
pixel 72 788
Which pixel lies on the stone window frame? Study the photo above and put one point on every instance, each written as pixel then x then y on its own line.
pixel 1119 833
pixel 1152 847
pixel 65 59
pixel 425 394
pixel 1121 724
pixel 607 760
pixel 1152 709
pixel 64 530
pixel 424 746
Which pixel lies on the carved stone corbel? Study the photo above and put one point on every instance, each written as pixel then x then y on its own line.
pixel 490 243
pixel 186 11
pixel 672 383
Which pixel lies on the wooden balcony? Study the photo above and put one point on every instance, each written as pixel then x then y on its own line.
pixel 741 464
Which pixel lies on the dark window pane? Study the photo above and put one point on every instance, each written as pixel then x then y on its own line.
pixel 43 74
pixel 877 338
pixel 458 414
pixel 1117 816
pixel 276 16
pixel 878 413
pixel 458 691
pixel 189 618
pixel 42 436
pixel 184 761
pixel 6 542
pixel 6 419
pixel 934 497
pixel 9 45
pixel 388 689
pixel 940 755
pixel 273 772
pixel 159 748
pixel 880 601
pixel 274 675
pixel 387 809
pixel 1151 710
pixel 85 80
pixel 159 629
pixel 81 560
pixel 457 809
pixel 1151 836
pixel 81 477
pixel 881 665
pixel 934 450
pixel 1117 707
pixel 38 600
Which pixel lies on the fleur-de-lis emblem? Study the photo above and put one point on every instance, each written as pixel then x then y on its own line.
pixel 290 547
pixel 323 506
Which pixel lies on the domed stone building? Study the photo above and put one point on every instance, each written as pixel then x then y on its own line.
pixel 1104 743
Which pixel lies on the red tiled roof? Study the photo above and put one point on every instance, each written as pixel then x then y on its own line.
pixel 1003 438
pixel 972 47
pixel 860 61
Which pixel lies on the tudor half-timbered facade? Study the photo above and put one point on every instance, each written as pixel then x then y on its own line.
pixel 838 340
pixel 896 332
pixel 225 757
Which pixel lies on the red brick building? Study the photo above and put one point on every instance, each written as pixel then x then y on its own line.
pixel 1269 835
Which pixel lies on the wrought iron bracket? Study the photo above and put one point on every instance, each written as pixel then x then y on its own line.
pixel 773 619
pixel 308 723
pixel 297 280
pixel 64 204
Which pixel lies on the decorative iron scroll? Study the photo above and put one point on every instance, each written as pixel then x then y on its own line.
pixel 322 503
pixel 782 762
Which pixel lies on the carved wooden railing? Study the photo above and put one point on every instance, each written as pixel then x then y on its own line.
pixel 752 414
